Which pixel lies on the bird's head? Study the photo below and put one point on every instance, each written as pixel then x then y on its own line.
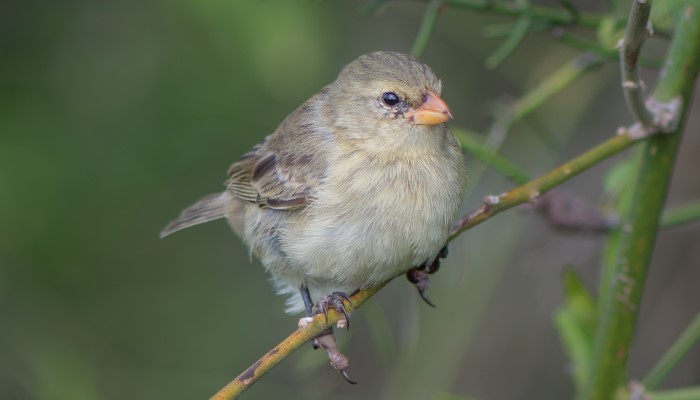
pixel 387 96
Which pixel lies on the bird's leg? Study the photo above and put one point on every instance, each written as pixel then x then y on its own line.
pixel 308 305
pixel 326 339
pixel 418 276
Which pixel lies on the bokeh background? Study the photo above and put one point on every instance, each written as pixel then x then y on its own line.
pixel 116 115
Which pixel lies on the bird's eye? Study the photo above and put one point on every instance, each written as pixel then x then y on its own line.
pixel 390 99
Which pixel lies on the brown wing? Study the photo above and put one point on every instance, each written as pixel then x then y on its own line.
pixel 284 170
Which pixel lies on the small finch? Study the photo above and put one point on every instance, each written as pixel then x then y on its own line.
pixel 359 184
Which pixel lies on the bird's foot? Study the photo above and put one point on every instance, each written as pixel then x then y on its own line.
pixel 326 340
pixel 418 276
pixel 338 361
pixel 336 301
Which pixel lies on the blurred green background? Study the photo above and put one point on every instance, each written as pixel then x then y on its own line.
pixel 116 115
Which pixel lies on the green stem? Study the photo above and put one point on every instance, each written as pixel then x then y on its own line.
pixel 581 43
pixel 543 91
pixel 426 28
pixel 533 189
pixel 553 84
pixel 473 145
pixel 515 37
pixel 638 30
pixel 681 347
pixel 689 393
pixel 497 31
pixel 555 16
pixel 620 306
pixel 681 215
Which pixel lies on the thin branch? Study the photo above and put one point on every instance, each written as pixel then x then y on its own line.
pixel 297 339
pixel 532 190
pixel 638 30
pixel 582 43
pixel 520 195
pixel 551 15
pixel 555 16
pixel 681 215
pixel 515 37
pixel 472 145
pixel 688 393
pixel 426 28
pixel 555 83
pixel 501 30
pixel 674 354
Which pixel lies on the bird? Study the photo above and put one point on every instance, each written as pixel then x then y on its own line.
pixel 359 184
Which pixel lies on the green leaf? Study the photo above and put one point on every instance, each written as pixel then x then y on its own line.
pixel 576 323
pixel 620 176
pixel 610 31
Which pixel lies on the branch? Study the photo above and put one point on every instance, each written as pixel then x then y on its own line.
pixel 689 393
pixel 674 354
pixel 638 30
pixel 472 145
pixel 622 290
pixel 520 195
pixel 297 339
pixel 426 28
pixel 555 16
pixel 514 38
pixel 582 43
pixel 532 190
pixel 681 215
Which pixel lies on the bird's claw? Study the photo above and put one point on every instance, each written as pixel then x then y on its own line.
pixel 348 378
pixel 336 301
pixel 419 278
pixel 444 251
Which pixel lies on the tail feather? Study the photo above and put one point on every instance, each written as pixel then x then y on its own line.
pixel 208 208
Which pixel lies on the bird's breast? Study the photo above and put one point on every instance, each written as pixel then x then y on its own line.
pixel 372 220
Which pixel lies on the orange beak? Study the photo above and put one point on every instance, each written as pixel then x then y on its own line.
pixel 433 111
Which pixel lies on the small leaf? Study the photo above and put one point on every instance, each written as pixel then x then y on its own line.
pixel 620 176
pixel 610 31
pixel 576 323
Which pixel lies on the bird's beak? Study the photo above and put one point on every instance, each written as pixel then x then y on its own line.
pixel 433 111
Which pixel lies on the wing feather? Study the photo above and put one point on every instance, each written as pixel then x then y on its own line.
pixel 272 175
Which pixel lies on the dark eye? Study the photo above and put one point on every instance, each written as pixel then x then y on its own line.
pixel 390 99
